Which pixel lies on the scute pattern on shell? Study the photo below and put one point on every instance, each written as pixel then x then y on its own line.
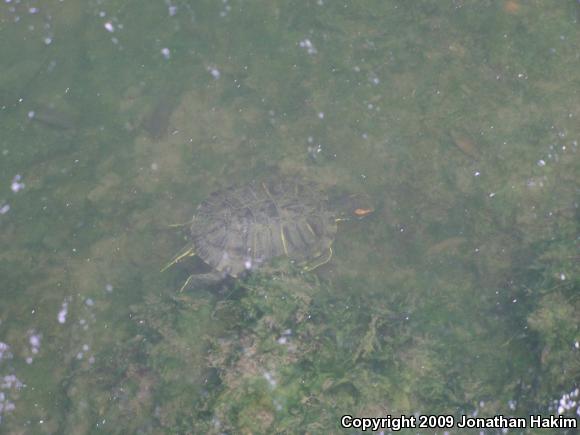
pixel 243 227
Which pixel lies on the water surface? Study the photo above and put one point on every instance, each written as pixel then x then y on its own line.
pixel 459 295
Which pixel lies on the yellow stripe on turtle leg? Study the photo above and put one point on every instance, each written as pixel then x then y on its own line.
pixel 322 263
pixel 189 253
pixel 283 239
pixel 186 282
pixel 189 222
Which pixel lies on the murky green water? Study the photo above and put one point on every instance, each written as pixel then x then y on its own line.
pixel 459 295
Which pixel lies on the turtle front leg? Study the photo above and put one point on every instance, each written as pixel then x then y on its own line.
pixel 320 261
pixel 196 281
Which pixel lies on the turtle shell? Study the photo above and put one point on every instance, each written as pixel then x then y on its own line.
pixel 241 228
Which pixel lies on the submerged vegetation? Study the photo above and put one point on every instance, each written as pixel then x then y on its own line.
pixel 459 295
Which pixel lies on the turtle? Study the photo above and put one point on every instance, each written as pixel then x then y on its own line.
pixel 241 228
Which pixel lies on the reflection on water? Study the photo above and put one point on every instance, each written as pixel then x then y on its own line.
pixel 457 296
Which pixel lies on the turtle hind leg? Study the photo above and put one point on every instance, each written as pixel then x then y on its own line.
pixel 202 280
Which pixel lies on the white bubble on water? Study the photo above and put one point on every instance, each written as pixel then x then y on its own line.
pixel 215 73
pixel 34 340
pixel 16 185
pixel 5 351
pixel 63 312
pixel 308 45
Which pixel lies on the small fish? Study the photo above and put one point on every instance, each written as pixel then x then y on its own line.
pixel 466 145
pixel 448 245
pixel 52 118
pixel 156 123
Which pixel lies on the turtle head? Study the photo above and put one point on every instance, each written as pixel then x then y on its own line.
pixel 353 206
